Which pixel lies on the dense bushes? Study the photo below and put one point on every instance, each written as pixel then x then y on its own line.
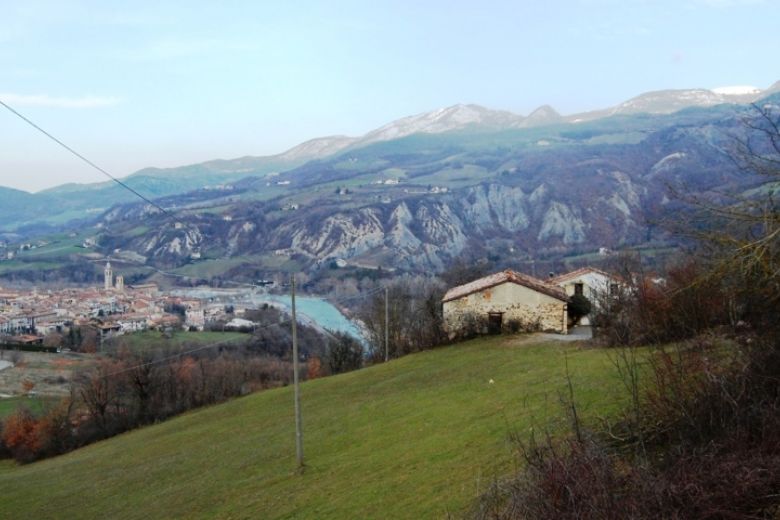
pixel 660 309
pixel 271 335
pixel 132 387
pixel 706 444
pixel 701 436
pixel 578 307
pixel 134 390
pixel 414 316
pixel 137 387
pixel 345 353
pixel 473 324
pixel 21 435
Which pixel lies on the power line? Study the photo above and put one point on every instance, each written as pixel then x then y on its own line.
pixel 333 301
pixel 134 192
pixel 157 270
pixel 121 183
pixel 299 435
pixel 192 351
pixel 131 190
pixel 80 156
pixel 223 343
pixel 209 346
pixel 370 292
pixel 227 342
pixel 176 275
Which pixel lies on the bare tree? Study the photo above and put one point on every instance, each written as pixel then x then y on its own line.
pixel 99 391
pixel 742 238
pixel 414 320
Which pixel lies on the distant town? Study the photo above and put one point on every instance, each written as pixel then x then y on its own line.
pixel 28 317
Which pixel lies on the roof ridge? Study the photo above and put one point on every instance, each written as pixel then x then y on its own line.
pixel 578 271
pixel 500 277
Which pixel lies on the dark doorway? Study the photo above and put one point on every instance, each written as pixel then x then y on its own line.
pixel 495 320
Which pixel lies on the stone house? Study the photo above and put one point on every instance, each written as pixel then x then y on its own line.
pixel 502 300
pixel 596 285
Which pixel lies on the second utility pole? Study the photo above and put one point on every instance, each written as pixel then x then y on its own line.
pixel 298 425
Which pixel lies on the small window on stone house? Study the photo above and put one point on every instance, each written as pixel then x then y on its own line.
pixel 579 288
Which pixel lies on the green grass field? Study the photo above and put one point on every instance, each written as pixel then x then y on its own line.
pixel 35 404
pixel 419 437
pixel 154 339
pixel 16 265
pixel 208 268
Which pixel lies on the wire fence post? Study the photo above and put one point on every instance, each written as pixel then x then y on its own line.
pixel 296 383
pixel 387 327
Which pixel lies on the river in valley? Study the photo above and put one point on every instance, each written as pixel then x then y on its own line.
pixel 310 309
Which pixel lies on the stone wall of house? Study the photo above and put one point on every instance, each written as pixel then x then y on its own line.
pixel 531 309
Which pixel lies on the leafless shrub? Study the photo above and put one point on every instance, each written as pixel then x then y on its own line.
pixel 701 439
pixel 16 357
pixel 654 309
pixel 516 325
pixel 133 390
pixel 345 353
pixel 414 319
pixel 471 325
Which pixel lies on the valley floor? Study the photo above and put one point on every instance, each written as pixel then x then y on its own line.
pixel 418 437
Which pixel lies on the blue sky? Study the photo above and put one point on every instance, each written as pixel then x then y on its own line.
pixel 137 84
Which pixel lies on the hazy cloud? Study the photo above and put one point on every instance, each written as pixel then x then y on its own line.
pixel 43 100
pixel 727 3
pixel 174 48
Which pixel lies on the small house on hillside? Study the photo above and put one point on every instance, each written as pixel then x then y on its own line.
pixel 505 300
pixel 594 284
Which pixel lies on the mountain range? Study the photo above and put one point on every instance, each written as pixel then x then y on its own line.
pixel 419 191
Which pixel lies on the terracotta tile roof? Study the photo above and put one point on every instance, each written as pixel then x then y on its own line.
pixel 579 272
pixel 502 277
pixel 27 338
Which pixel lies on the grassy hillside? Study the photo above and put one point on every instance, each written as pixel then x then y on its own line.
pixel 414 438
pixel 35 404
pixel 152 339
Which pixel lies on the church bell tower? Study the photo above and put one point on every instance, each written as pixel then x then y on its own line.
pixel 108 277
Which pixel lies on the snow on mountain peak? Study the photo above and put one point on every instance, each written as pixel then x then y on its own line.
pixel 455 117
pixel 462 116
pixel 737 90
pixel 318 147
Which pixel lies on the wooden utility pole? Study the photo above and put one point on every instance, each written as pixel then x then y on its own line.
pixel 387 327
pixel 298 424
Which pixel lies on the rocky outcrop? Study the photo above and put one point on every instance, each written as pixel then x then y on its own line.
pixel 496 205
pixel 340 235
pixel 418 231
pixel 494 196
pixel 169 244
pixel 563 223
